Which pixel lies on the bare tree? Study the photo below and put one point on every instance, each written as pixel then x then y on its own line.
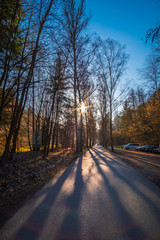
pixel 56 91
pixel 74 25
pixel 150 73
pixel 102 97
pixel 112 61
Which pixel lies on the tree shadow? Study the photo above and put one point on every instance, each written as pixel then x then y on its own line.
pixel 130 229
pixel 125 173
pixel 70 226
pixel 33 226
pixel 128 171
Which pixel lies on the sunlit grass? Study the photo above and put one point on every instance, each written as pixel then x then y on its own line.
pixel 23 149
pixel 27 149
pixel 1 151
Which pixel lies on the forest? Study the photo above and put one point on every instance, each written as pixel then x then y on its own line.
pixel 62 86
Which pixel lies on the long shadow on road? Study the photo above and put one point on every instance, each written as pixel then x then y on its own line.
pixel 126 175
pixel 70 226
pixel 125 172
pixel 33 226
pixel 129 227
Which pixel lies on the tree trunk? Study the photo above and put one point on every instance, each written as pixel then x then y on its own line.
pixel 86 131
pixel 81 134
pixel 75 99
pixel 111 136
pixel 53 137
pixel 29 142
pixel 57 135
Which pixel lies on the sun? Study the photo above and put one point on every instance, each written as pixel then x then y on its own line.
pixel 83 107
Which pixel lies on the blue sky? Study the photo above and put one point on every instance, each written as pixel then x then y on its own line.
pixel 126 21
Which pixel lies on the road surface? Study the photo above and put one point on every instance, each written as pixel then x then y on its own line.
pixel 95 198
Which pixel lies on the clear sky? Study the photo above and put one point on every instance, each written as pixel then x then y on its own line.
pixel 126 21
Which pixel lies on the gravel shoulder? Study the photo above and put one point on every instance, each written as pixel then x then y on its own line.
pixel 147 164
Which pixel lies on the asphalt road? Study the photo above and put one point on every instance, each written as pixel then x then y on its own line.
pixel 95 198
